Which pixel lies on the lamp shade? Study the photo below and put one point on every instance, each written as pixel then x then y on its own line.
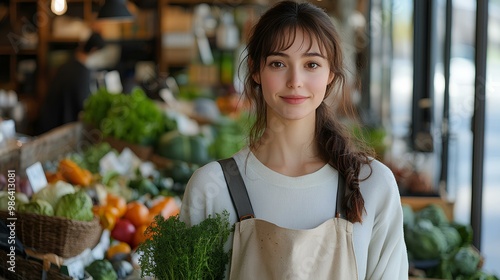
pixel 114 10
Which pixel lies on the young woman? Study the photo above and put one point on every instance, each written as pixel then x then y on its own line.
pixel 311 203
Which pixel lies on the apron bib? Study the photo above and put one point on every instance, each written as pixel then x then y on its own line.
pixel 263 250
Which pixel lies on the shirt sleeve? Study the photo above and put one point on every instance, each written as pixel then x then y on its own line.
pixel 387 254
pixel 205 195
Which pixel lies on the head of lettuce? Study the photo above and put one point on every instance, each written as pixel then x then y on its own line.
pixel 75 206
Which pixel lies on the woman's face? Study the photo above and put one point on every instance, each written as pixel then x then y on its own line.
pixel 294 81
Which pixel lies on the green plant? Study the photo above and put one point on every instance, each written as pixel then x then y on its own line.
pixel 177 251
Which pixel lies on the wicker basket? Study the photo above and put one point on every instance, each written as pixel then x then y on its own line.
pixel 29 269
pixel 63 237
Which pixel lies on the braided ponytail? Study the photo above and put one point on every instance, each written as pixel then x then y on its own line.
pixel 342 153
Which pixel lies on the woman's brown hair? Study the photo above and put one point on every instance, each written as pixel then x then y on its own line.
pixel 275 31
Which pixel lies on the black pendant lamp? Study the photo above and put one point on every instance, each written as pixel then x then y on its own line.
pixel 114 10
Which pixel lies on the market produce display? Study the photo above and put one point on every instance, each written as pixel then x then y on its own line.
pixel 439 248
pixel 124 201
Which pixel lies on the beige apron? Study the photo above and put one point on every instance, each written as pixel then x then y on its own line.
pixel 262 250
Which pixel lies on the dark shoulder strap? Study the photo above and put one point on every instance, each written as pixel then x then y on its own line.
pixel 237 189
pixel 340 211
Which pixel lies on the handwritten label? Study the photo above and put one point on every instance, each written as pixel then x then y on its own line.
pixel 36 176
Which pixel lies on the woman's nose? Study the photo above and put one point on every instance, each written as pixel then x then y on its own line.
pixel 294 78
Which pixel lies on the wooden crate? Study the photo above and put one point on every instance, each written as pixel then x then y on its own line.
pixel 419 202
pixel 51 145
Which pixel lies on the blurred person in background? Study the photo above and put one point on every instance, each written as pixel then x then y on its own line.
pixel 70 87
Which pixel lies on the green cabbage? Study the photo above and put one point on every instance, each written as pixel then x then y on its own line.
pixel 466 261
pixel 101 270
pixel 37 206
pixel 465 232
pixel 20 199
pixel 53 192
pixel 433 213
pixel 75 206
pixel 425 241
pixel 452 236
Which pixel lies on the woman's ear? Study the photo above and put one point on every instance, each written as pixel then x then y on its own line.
pixel 256 78
pixel 330 78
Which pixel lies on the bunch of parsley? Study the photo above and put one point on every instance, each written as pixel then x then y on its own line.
pixel 178 251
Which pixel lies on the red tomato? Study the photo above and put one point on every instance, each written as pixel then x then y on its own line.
pixel 123 231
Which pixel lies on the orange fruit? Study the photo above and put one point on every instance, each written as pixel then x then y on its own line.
pixel 53 177
pixel 137 213
pixel 111 210
pixel 166 206
pixel 140 235
pixel 119 250
pixel 108 220
pixel 107 215
pixel 118 202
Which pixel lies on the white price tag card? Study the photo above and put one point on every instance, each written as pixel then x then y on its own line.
pixel 36 176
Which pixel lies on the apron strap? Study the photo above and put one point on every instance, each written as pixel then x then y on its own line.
pixel 340 211
pixel 237 189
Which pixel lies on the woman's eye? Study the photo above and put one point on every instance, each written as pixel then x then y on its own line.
pixel 277 64
pixel 312 65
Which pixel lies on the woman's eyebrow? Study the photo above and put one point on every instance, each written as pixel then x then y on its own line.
pixel 313 54
pixel 278 54
pixel 307 54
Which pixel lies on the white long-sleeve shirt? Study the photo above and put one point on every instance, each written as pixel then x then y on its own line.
pixel 307 201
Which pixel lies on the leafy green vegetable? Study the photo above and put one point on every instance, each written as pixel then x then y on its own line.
pixel 20 199
pixel 180 171
pixel 144 186
pixel 53 192
pixel 130 117
pixel 90 157
pixel 433 213
pixel 37 206
pixel 190 148
pixel 466 261
pixel 453 239
pixel 75 206
pixel 425 240
pixel 465 232
pixel 96 106
pixel 442 249
pixel 177 251
pixel 101 270
pixel 117 184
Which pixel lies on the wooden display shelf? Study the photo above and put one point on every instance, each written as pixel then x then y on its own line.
pixel 419 202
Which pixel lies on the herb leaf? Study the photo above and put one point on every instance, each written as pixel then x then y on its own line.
pixel 177 251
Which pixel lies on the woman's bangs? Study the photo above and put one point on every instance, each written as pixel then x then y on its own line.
pixel 280 43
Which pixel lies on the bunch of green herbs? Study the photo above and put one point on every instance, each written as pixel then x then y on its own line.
pixel 133 117
pixel 181 252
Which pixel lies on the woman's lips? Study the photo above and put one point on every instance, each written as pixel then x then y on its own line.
pixel 295 99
